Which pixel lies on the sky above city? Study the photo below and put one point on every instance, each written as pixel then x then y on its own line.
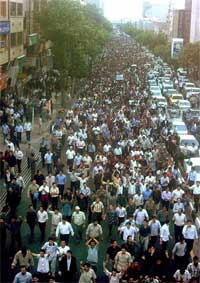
pixel 132 9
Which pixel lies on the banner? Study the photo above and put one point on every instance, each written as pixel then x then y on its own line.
pixel 4 27
pixel 177 45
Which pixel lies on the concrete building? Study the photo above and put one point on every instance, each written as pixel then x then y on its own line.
pixel 195 22
pixel 178 26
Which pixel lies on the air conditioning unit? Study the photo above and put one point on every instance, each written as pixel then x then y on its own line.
pixel 2 46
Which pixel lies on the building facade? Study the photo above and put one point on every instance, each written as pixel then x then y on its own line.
pixel 195 22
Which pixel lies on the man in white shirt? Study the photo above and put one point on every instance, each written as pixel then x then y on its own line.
pixel 42 266
pixel 70 154
pixel 140 215
pixel 177 193
pixel 164 236
pixel 196 193
pixel 64 228
pixel 179 222
pixel 62 250
pixel 190 234
pixel 128 230
pixel 48 157
pixel 42 217
pixel 28 128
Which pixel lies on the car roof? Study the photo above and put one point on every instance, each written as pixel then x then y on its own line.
pixel 194 160
pixel 178 122
pixel 189 137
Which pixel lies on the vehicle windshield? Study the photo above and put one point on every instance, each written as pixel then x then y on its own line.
pixel 188 142
pixel 180 128
pixel 177 97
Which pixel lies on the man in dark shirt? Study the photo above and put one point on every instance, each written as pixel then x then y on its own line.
pixel 144 233
pixel 112 250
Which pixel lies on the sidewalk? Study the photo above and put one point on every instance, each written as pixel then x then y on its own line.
pixel 36 138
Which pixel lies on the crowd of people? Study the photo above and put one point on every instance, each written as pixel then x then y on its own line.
pixel 108 173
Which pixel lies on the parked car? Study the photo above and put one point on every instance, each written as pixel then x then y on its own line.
pixel 192 162
pixel 192 114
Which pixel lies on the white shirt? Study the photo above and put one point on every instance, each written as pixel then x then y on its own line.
pixel 121 212
pixel 64 229
pixel 140 215
pixel 70 154
pixel 62 251
pixel 43 264
pixel 185 277
pixel 44 190
pixel 55 217
pixel 27 126
pixel 164 233
pixel 179 219
pixel 42 216
pixel 128 232
pixel 19 155
pixel 196 189
pixel 107 148
pixel 177 194
pixel 190 233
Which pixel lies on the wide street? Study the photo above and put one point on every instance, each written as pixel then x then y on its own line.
pixel 99 144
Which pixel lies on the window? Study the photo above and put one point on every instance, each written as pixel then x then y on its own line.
pixel 3 8
pixel 13 39
pixel 19 38
pixel 19 9
pixel 3 41
pixel 13 8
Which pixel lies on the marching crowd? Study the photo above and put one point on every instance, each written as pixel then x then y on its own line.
pixel 108 173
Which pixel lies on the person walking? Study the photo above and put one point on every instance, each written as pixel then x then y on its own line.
pixel 67 267
pixel 78 220
pixel 42 217
pixel 31 219
pixel 64 229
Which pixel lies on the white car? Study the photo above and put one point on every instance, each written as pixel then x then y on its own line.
pixel 183 105
pixel 188 145
pixel 179 127
pixel 161 101
pixel 192 162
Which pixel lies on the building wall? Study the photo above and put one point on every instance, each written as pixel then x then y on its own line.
pixel 17 29
pixel 4 38
pixel 195 22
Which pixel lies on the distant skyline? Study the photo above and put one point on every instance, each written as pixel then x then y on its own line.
pixel 132 9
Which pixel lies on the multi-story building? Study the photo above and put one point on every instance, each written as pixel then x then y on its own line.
pixel 178 27
pixel 195 22
pixel 11 37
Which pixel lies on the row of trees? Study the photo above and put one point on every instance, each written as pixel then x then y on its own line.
pixel 78 34
pixel 159 44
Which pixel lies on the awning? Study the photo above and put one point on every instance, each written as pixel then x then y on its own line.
pixel 32 39
pixel 21 57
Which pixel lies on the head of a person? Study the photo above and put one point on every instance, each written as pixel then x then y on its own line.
pixel 86 266
pixel 24 250
pixel 195 260
pixel 69 254
pixel 23 269
pixel 95 222
pixel 51 241
pixel 123 249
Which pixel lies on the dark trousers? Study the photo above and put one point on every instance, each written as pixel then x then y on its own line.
pixel 61 189
pixel 97 216
pixel 43 277
pixel 19 162
pixel 189 247
pixel 70 163
pixel 28 136
pixel 19 137
pixel 177 232
pixel 64 238
pixel 32 227
pixel 54 202
pixel 42 227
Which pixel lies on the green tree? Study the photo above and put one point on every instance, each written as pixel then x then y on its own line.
pixel 77 32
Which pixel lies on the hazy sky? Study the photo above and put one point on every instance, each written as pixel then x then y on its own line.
pixel 131 9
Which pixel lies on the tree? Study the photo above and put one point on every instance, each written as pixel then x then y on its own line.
pixel 77 32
